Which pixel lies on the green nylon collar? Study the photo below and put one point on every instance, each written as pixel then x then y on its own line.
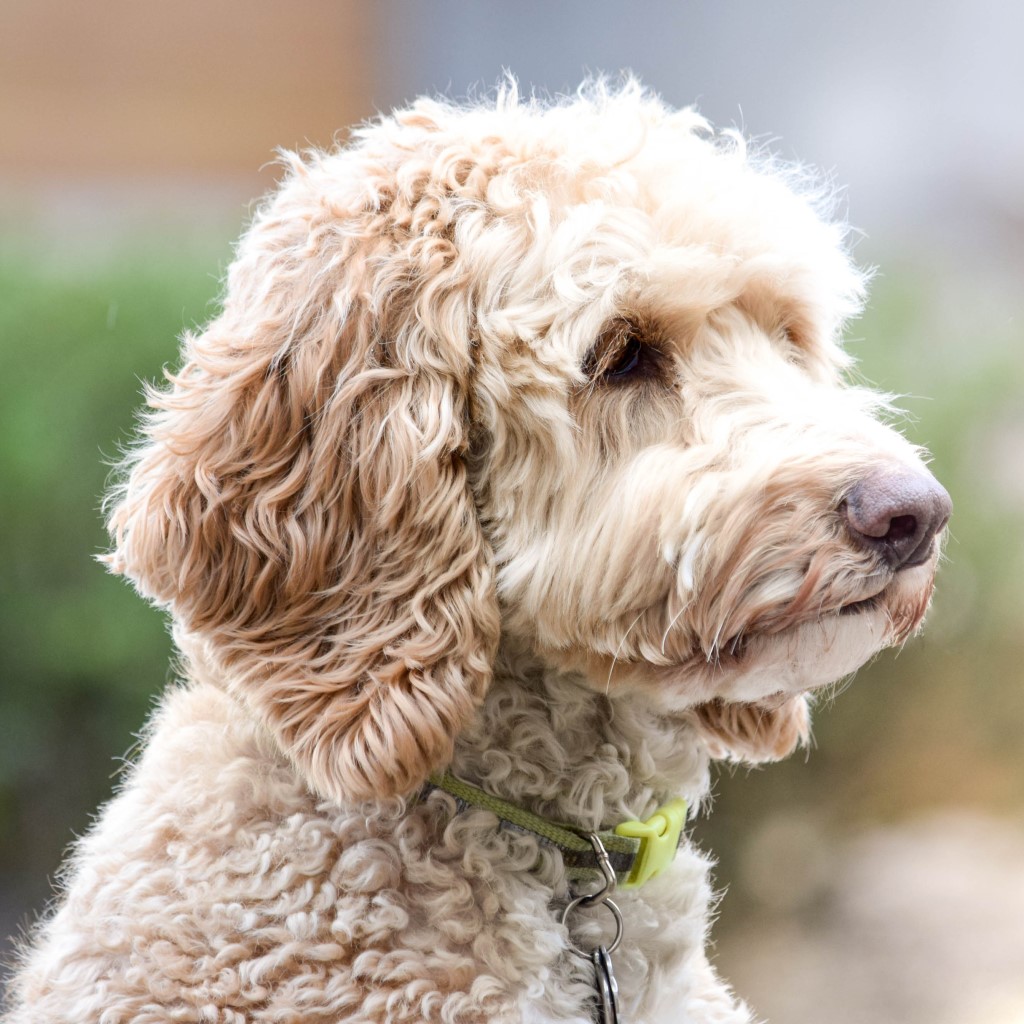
pixel 638 850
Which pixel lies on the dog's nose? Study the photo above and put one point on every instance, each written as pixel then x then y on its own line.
pixel 898 512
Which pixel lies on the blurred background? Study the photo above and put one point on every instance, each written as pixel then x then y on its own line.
pixel 878 878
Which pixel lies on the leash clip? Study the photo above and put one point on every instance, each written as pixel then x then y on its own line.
pixel 601 898
pixel 606 991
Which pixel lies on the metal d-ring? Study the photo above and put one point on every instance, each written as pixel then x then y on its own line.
pixel 601 898
pixel 616 913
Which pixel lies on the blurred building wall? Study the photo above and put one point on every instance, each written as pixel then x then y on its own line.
pixel 126 89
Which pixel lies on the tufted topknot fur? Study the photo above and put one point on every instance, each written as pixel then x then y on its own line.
pixel 522 445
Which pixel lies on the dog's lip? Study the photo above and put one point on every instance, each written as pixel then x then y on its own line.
pixel 866 602
pixel 863 605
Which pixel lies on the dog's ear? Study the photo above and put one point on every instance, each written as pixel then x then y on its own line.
pixel 753 732
pixel 300 501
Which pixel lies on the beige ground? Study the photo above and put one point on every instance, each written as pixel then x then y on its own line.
pixel 921 923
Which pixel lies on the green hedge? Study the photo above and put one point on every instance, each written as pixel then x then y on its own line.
pixel 81 656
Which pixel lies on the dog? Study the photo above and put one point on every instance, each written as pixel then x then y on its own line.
pixel 518 479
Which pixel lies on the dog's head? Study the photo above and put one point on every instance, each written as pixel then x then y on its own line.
pixel 578 363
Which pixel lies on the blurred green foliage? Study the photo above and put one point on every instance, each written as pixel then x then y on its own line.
pixel 82 657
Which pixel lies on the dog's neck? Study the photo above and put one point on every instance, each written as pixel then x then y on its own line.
pixel 552 744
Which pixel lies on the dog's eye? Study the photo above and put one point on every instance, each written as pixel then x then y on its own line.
pixel 626 360
pixel 622 353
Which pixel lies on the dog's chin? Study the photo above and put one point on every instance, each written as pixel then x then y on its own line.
pixel 805 657
pixel 816 653
pixel 772 665
pixel 776 665
pixel 813 654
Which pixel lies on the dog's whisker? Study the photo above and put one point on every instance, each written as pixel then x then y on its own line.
pixel 618 651
pixel 668 629
pixel 714 650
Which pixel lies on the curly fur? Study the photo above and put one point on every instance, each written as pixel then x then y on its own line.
pixel 404 514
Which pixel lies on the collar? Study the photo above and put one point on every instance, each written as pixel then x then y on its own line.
pixel 638 850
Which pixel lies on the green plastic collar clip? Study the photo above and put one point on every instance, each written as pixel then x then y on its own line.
pixel 659 840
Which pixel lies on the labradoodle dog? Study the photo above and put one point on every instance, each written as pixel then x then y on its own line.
pixel 520 455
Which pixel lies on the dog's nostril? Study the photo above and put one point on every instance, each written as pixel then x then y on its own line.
pixel 901 527
pixel 897 513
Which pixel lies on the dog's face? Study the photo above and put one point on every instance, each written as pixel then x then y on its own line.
pixel 575 368
pixel 668 491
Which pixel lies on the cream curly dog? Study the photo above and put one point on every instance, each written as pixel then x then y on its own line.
pixel 522 448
